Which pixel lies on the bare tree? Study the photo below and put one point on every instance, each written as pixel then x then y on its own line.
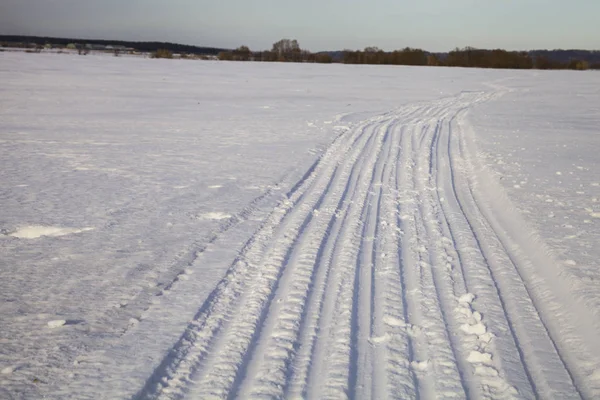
pixel 242 53
pixel 287 50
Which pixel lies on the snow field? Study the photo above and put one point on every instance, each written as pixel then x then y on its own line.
pixel 307 316
pixel 218 230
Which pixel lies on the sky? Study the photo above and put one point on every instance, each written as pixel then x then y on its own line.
pixel 434 25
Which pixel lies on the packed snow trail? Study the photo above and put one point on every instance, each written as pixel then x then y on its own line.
pixel 389 273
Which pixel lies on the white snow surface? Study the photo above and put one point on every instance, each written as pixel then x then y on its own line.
pixel 183 229
pixel 34 232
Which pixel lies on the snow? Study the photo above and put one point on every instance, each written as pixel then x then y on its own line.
pixel 475 329
pixel 7 370
pixel 420 366
pixel 215 215
pixel 175 228
pixel 57 323
pixel 479 357
pixel 34 232
pixel 546 135
pixel 467 298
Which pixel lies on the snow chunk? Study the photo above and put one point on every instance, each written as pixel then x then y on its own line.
pixel 394 322
pixel 341 128
pixel 379 339
pixel 486 337
pixel 56 323
pixel 36 231
pixel 466 311
pixel 7 370
pixel 476 329
pixel 479 357
pixel 466 298
pixel 215 215
pixel 486 371
pixel 420 365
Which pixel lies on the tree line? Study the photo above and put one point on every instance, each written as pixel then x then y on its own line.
pixel 287 50
pixel 503 59
pixel 146 47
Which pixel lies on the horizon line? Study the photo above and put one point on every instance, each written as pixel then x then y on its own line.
pixel 318 51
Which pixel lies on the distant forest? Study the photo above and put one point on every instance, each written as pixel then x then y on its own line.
pixel 145 47
pixel 287 50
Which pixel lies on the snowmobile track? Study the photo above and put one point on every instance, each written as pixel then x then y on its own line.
pixel 393 269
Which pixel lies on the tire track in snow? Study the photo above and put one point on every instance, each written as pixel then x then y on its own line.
pixel 192 351
pixel 478 279
pixel 438 302
pixel 314 313
pixel 224 372
pixel 383 274
pixel 515 308
pixel 553 340
pixel 458 251
pixel 281 330
pixel 385 247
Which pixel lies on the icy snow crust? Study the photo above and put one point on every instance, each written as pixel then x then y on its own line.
pixel 177 229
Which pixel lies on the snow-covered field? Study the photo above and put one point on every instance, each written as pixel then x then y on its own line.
pixel 184 229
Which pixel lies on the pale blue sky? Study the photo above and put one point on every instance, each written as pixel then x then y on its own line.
pixel 435 25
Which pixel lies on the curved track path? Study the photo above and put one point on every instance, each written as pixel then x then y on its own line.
pixel 394 269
